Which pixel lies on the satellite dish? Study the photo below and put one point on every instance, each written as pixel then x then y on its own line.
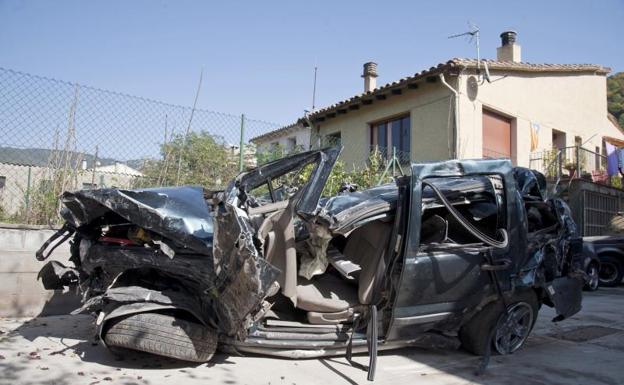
pixel 472 88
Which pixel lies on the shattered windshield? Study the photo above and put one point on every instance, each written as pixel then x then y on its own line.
pixel 281 188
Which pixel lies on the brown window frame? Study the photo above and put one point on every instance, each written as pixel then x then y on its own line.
pixel 403 148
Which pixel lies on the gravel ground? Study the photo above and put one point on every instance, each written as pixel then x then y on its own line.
pixel 587 349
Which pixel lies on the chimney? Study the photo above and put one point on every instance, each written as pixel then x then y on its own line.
pixel 370 76
pixel 509 50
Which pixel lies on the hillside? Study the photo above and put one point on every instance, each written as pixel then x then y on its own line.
pixel 615 96
pixel 41 156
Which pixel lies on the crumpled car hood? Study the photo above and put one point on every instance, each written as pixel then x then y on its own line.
pixel 177 213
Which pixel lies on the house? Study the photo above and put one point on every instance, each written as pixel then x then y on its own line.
pixel 467 108
pixel 118 168
pixel 249 155
pixel 287 138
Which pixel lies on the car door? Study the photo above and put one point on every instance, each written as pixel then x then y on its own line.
pixel 244 276
pixel 436 286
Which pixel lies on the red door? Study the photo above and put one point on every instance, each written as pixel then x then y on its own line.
pixel 496 135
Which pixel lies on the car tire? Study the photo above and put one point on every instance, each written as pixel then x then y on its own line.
pixel 593 277
pixel 478 332
pixel 611 271
pixel 163 335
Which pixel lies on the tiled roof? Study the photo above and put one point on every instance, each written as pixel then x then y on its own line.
pixel 276 133
pixel 531 67
pixel 457 64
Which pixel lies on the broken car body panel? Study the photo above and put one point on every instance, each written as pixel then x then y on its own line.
pixel 179 214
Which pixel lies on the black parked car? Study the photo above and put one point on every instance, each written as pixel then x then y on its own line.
pixel 458 252
pixel 609 249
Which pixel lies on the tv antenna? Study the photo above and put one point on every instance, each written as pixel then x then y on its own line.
pixel 314 88
pixel 473 35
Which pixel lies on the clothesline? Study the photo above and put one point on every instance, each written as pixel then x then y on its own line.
pixel 615 159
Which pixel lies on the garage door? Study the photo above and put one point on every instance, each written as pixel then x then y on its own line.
pixel 496 135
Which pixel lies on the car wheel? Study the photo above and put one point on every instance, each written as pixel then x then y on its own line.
pixel 504 331
pixel 162 334
pixel 593 277
pixel 611 271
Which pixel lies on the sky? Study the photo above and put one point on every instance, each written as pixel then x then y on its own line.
pixel 258 57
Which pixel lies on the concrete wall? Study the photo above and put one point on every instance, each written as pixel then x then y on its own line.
pixel 572 103
pixel 594 205
pixel 428 107
pixel 21 294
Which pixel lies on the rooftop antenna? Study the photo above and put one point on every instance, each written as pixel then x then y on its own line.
pixel 314 89
pixel 473 33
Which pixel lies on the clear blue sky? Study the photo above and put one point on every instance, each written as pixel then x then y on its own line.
pixel 258 56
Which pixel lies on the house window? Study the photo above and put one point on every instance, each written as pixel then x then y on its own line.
pixel 291 143
pixel 2 182
pixel 496 135
pixel 597 158
pixel 392 134
pixel 334 139
pixel 558 139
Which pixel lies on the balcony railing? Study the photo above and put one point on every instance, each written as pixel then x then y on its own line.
pixel 573 162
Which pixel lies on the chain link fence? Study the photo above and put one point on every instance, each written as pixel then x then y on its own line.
pixel 60 136
pixel 57 136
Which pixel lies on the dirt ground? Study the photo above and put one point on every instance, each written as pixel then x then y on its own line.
pixel 588 349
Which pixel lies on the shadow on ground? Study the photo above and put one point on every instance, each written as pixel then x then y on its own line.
pixel 587 349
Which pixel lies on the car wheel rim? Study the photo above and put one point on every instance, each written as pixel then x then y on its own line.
pixel 513 328
pixel 608 272
pixel 593 277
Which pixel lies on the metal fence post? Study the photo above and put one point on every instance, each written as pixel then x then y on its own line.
pixel 578 162
pixel 241 147
pixel 393 160
pixel 28 181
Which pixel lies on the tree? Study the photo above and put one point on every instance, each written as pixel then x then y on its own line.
pixel 615 96
pixel 199 159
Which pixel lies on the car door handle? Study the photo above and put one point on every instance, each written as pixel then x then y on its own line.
pixel 501 264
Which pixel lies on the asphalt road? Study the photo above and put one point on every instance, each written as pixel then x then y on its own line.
pixel 587 349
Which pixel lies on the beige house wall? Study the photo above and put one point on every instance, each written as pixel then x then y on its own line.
pixel 573 103
pixel 428 107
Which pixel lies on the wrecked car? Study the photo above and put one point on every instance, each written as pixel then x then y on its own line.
pixel 609 249
pixel 457 253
